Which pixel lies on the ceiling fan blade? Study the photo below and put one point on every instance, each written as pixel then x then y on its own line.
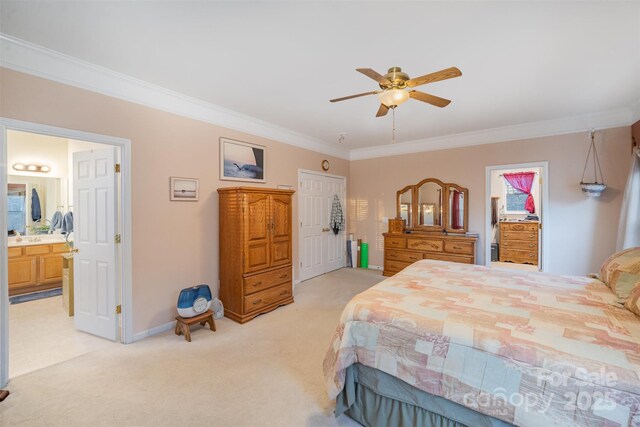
pixel 344 98
pixel 382 111
pixel 448 73
pixel 429 99
pixel 374 75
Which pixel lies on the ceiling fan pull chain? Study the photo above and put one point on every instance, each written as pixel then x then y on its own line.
pixel 393 134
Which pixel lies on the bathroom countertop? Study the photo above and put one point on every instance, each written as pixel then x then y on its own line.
pixel 26 241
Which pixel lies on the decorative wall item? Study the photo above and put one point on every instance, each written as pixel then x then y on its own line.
pixel 242 161
pixel 184 189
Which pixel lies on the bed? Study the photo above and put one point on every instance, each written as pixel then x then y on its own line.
pixel 449 344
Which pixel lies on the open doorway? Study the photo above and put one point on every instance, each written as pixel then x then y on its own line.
pixel 516 212
pixel 67 252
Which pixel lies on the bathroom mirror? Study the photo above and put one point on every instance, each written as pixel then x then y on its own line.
pixel 405 205
pixel 20 202
pixel 458 205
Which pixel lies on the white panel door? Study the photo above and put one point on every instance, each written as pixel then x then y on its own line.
pixel 321 250
pixel 336 243
pixel 94 199
pixel 311 225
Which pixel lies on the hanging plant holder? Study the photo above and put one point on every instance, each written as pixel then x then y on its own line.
pixel 593 189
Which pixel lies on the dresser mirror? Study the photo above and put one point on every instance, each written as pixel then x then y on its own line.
pixel 434 206
pixel 457 208
pixel 429 205
pixel 405 204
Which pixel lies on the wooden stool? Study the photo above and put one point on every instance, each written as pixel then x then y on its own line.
pixel 183 324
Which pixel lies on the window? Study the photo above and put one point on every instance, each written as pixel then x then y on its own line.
pixel 515 199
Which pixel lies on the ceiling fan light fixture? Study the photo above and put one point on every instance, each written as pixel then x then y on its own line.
pixel 393 97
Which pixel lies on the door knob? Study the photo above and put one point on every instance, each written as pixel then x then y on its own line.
pixel 75 250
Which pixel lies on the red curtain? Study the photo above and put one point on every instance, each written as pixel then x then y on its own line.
pixel 455 207
pixel 523 181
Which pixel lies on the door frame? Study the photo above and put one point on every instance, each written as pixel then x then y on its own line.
pixel 124 258
pixel 544 208
pixel 346 216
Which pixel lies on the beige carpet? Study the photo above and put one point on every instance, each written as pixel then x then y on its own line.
pixel 266 372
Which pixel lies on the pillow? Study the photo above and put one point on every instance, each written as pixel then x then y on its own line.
pixel 633 302
pixel 621 272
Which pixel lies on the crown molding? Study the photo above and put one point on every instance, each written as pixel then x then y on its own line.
pixel 22 56
pixel 566 125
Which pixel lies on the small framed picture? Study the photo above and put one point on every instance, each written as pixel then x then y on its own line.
pixel 184 189
pixel 242 161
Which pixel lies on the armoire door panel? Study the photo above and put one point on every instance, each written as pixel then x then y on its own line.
pixel 281 211
pixel 257 228
pixel 257 257
pixel 280 253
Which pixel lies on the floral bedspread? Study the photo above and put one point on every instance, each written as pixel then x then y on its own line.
pixel 532 349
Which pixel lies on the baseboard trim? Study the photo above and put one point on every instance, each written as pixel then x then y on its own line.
pixel 153 331
pixel 375 267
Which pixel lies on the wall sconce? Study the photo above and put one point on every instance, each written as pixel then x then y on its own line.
pixel 31 168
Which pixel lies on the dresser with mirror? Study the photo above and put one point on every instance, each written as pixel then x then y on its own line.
pixel 432 219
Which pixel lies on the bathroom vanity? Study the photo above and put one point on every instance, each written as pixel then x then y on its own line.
pixel 35 265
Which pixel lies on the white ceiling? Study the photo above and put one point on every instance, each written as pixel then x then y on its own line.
pixel 281 62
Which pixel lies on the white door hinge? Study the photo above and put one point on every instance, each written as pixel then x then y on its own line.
pixel 118 309
pixel 118 238
pixel 117 168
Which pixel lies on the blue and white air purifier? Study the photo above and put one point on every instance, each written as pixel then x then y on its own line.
pixel 193 301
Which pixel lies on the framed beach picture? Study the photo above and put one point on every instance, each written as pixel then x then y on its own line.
pixel 242 161
pixel 184 189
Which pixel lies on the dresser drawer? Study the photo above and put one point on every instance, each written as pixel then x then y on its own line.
pixel 425 244
pixel 451 258
pixel 514 226
pixel 519 235
pixel 395 242
pixel 464 248
pixel 531 245
pixel 14 252
pixel 406 256
pixel 395 266
pixel 263 281
pixel 268 297
pixel 519 256
pixel 36 250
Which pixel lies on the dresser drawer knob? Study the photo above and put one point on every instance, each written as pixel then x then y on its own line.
pixel 284 292
pixel 532 235
pixel 457 247
pixel 283 276
pixel 257 302
pixel 258 283
pixel 531 245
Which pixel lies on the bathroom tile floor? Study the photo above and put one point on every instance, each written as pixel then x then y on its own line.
pixel 41 334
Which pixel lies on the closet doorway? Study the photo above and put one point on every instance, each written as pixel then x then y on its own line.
pixel 321 250
pixel 516 212
pixel 60 279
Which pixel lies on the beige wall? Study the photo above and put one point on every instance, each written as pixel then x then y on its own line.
pixel 175 244
pixel 582 230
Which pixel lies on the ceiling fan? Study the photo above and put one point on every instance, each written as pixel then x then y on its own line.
pixel 395 81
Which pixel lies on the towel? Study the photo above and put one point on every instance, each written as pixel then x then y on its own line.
pixel 56 221
pixel 36 213
pixel 67 223
pixel 336 222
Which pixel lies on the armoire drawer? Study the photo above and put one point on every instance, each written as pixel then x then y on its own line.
pixel 263 281
pixel 268 297
pixel 406 256
pixel 519 256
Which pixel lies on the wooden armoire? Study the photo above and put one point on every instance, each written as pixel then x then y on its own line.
pixel 255 251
